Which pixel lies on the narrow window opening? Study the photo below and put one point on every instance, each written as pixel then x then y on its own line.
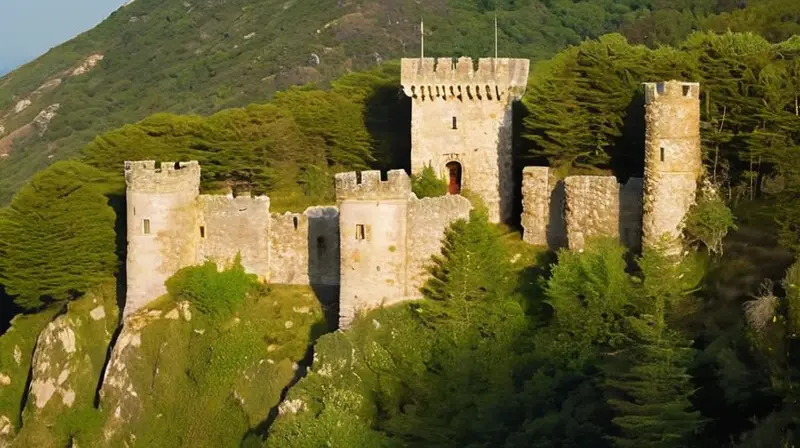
pixel 660 88
pixel 321 245
pixel 686 90
pixel 296 222
pixel 146 226
pixel 360 232
pixel 202 231
pixel 455 123
pixel 662 154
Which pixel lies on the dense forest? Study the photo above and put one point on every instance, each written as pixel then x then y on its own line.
pixel 512 345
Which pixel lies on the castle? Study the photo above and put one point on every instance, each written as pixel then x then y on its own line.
pixel 376 243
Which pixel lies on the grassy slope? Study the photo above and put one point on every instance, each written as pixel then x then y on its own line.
pixel 203 382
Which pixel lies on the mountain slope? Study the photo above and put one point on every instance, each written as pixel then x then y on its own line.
pixel 200 56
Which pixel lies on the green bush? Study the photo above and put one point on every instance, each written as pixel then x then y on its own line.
pixel 427 185
pixel 708 221
pixel 211 291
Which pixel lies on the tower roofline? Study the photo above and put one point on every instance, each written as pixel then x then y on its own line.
pixel 504 74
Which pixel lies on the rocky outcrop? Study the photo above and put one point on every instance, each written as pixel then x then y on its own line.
pixel 87 64
pixel 70 354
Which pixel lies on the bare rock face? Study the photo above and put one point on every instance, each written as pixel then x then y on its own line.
pixel 70 354
pixel 87 64
pixel 121 394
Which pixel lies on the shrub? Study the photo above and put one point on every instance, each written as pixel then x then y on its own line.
pixel 708 221
pixel 211 291
pixel 427 185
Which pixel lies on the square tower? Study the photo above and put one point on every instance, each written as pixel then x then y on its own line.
pixel 461 123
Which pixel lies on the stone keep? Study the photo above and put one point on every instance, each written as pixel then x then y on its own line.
pixel 461 123
pixel 387 238
pixel 673 160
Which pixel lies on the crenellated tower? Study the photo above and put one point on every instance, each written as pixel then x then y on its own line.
pixel 161 224
pixel 462 123
pixel 673 160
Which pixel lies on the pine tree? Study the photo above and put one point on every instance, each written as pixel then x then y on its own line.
pixel 57 237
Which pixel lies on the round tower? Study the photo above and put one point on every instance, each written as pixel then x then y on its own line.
pixel 673 161
pixel 162 226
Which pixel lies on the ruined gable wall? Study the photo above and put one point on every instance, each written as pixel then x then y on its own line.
pixel 373 267
pixel 166 199
pixel 543 208
pixel 235 225
pixel 600 206
pixel 427 220
pixel 304 247
pixel 591 209
pixel 288 241
pixel 480 102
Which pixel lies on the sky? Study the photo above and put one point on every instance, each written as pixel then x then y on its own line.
pixel 28 28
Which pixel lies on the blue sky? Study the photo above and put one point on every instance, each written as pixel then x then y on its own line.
pixel 29 28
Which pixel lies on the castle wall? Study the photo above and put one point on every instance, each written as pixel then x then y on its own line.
pixel 428 218
pixel 463 115
pixel 673 160
pixel 304 247
pixel 591 208
pixel 599 206
pixel 543 197
pixel 235 225
pixel 161 226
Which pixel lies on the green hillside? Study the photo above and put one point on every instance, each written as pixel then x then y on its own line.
pixel 185 56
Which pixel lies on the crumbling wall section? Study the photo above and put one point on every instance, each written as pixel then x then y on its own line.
pixel 428 218
pixel 592 208
pixel 304 247
pixel 235 225
pixel 288 241
pixel 543 208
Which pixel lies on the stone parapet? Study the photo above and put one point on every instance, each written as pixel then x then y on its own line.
pixel 495 79
pixel 396 186
pixel 170 177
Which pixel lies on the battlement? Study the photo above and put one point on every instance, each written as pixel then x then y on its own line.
pixel 495 79
pixel 169 177
pixel 656 91
pixel 370 186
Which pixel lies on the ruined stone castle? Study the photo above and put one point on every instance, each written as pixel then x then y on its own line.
pixel 375 244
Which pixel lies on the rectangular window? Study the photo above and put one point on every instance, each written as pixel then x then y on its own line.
pixel 146 226
pixel 455 123
pixel 686 90
pixel 662 154
pixel 202 231
pixel 360 232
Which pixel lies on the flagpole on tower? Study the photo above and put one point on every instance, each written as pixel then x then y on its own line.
pixel 422 39
pixel 495 34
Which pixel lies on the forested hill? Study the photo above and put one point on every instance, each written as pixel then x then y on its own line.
pixel 191 56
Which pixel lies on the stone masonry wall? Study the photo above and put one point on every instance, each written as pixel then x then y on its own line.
pixel 592 208
pixel 235 225
pixel 428 218
pixel 463 115
pixel 543 208
pixel 304 247
pixel 161 226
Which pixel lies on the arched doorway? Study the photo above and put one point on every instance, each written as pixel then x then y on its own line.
pixel 454 177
